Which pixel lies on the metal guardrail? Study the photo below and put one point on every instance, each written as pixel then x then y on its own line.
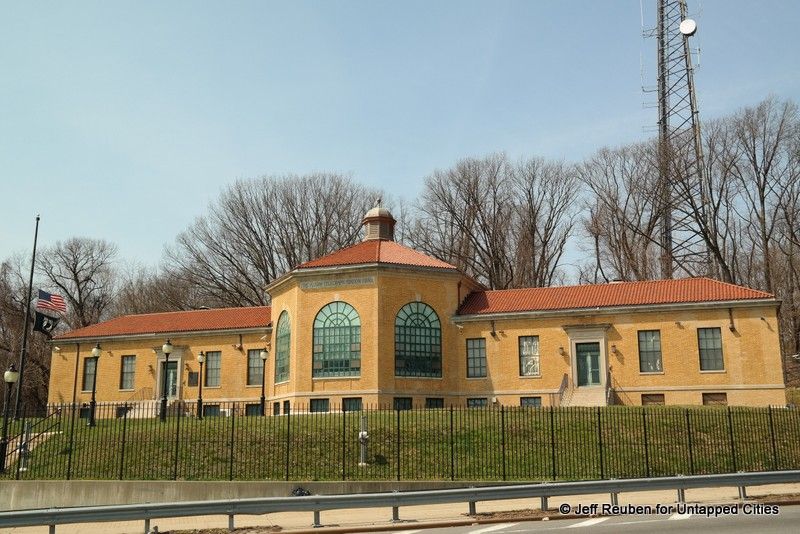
pixel 318 503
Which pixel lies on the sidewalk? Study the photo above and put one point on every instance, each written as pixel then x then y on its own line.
pixel 412 517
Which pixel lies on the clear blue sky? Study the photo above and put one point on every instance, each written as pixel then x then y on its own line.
pixel 123 120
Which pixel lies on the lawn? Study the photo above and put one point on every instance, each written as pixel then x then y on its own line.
pixel 494 444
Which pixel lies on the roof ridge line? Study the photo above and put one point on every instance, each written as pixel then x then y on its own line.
pixel 735 285
pixel 186 311
pixel 326 255
pixel 152 314
pixel 659 280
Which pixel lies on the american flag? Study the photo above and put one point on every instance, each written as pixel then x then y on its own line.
pixel 49 301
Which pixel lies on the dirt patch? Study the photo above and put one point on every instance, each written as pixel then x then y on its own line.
pixel 244 530
pixel 514 514
pixel 778 499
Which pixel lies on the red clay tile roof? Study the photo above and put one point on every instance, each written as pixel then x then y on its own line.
pixel 376 251
pixel 175 322
pixel 606 295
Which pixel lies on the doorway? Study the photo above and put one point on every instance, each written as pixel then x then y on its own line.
pixel 587 356
pixel 171 369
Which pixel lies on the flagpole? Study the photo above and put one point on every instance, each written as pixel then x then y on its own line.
pixel 24 353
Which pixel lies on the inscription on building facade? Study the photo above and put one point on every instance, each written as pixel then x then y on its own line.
pixel 341 282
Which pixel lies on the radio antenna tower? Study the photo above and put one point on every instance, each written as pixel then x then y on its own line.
pixel 680 151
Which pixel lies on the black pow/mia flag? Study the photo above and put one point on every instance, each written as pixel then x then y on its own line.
pixel 45 324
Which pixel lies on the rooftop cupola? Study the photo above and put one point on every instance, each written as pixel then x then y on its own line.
pixel 378 223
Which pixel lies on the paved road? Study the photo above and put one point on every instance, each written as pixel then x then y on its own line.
pixel 787 520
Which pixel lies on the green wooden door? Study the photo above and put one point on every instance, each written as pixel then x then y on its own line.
pixel 587 356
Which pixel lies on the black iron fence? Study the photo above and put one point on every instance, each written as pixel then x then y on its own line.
pixel 234 442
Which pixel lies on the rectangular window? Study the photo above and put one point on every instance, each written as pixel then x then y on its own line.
pixel 402 403
pixel 653 399
pixel 211 410
pixel 287 407
pixel 649 351
pixel 319 405
pixel 213 365
pixel 434 402
pixel 352 404
pixel 715 399
pixel 89 371
pixel 252 409
pixel 127 372
pixel 480 402
pixel 529 356
pixel 255 367
pixel 530 402
pixel 709 342
pixel 476 358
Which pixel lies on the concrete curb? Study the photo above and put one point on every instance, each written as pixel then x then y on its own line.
pixel 405 525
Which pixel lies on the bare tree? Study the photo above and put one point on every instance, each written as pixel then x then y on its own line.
pixel 544 194
pixel 709 204
pixel 502 223
pixel 260 229
pixel 787 267
pixel 764 135
pixel 623 212
pixel 82 271
pixel 465 218
pixel 13 301
pixel 143 290
pixel 319 213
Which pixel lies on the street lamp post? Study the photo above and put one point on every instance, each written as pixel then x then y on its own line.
pixel 166 349
pixel 264 355
pixel 201 358
pixel 9 377
pixel 93 403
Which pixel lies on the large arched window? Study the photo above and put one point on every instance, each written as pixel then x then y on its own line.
pixel 417 341
pixel 282 342
pixel 337 341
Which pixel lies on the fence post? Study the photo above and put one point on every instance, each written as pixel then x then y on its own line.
pixel 730 434
pixel 452 448
pixel 772 436
pixel 233 441
pixel 397 459
pixel 503 437
pixel 177 441
pixel 122 448
pixel 288 440
pixel 646 449
pixel 71 442
pixel 689 436
pixel 553 441
pixel 23 448
pixel 600 443
pixel 344 443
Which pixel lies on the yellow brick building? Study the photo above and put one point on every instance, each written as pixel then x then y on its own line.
pixel 381 324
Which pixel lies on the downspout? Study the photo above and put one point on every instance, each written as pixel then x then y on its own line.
pixel 75 378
